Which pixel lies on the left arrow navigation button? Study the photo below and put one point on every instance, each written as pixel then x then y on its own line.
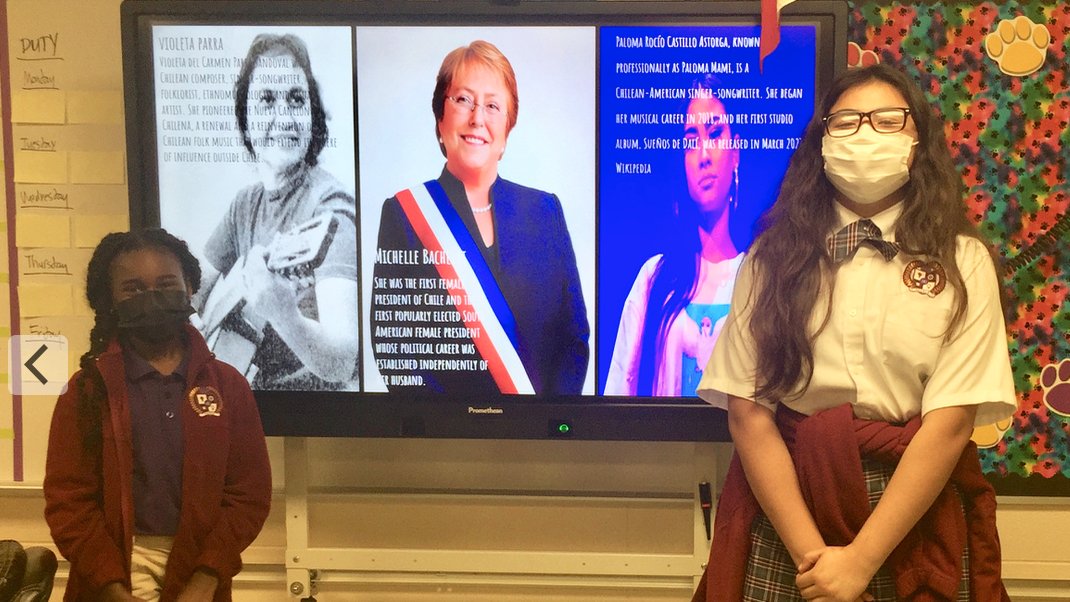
pixel 33 358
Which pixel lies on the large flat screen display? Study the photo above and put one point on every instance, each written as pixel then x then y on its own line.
pixel 465 219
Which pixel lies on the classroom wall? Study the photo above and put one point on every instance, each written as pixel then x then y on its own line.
pixel 412 496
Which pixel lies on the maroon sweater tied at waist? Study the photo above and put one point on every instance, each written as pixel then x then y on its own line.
pixel 827 449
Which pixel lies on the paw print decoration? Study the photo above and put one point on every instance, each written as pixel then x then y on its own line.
pixel 856 57
pixel 1018 46
pixel 989 435
pixel 1055 381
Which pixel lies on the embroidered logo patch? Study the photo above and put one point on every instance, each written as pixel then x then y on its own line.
pixel 925 277
pixel 206 401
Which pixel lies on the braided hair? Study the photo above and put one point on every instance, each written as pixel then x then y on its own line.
pixel 92 400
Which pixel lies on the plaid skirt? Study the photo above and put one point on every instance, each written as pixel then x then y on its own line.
pixel 770 575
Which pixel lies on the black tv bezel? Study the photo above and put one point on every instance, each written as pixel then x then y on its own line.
pixel 365 414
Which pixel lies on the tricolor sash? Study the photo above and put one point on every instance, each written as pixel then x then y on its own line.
pixel 440 229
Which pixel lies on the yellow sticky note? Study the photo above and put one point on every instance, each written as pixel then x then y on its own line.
pixel 5 318
pixel 59 199
pixel 95 107
pixel 35 230
pixel 52 266
pixel 76 329
pixel 97 168
pixel 38 106
pixel 46 300
pixel 5 307
pixel 41 167
pixel 89 229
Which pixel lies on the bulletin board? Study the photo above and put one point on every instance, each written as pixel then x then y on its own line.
pixel 997 72
pixel 65 187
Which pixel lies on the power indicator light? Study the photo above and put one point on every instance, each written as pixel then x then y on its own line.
pixel 560 428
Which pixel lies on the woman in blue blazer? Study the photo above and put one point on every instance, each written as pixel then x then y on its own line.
pixel 475 285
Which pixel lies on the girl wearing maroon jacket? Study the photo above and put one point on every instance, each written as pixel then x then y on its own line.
pixel 157 474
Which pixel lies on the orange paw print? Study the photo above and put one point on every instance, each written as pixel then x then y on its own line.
pixel 856 57
pixel 1018 46
pixel 989 435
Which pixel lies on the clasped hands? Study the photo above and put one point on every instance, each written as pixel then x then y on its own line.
pixel 835 574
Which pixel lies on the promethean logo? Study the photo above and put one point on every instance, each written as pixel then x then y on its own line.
pixel 486 410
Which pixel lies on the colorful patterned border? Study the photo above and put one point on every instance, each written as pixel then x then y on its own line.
pixel 998 74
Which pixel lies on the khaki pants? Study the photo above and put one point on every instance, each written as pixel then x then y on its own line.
pixel 147 565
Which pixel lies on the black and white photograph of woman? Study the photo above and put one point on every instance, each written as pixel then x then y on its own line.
pixel 276 233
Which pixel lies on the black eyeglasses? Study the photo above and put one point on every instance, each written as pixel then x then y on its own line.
pixel 884 121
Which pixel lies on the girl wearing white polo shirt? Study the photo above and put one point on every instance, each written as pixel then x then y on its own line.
pixel 865 341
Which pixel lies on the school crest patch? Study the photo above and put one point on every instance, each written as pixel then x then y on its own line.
pixel 925 277
pixel 206 401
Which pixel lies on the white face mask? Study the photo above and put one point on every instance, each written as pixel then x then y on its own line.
pixel 867 166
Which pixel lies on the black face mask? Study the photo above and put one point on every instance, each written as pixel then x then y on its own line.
pixel 154 316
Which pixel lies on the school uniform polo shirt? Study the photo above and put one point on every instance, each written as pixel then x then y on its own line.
pixel 155 403
pixel 884 348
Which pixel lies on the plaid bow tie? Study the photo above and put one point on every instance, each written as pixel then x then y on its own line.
pixel 842 245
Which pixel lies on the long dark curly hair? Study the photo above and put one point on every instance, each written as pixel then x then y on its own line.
pixel 789 253
pixel 92 399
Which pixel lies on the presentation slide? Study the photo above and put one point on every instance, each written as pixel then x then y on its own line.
pixel 496 296
pixel 693 142
pixel 257 172
pixel 472 211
